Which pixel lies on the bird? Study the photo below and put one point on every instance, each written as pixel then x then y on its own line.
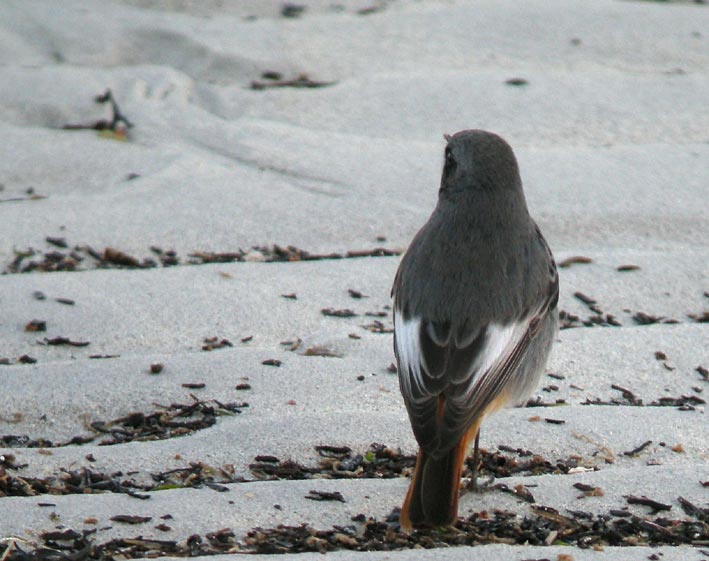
pixel 475 316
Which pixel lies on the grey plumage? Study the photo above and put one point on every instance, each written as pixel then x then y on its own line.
pixel 474 302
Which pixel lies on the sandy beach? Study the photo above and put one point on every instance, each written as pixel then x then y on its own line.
pixel 196 334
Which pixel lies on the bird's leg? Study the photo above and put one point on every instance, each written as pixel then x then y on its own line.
pixel 476 461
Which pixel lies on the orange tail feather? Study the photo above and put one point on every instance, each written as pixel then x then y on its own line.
pixel 432 498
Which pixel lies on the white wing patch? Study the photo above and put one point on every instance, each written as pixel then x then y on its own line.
pixel 500 342
pixel 408 349
pixel 498 339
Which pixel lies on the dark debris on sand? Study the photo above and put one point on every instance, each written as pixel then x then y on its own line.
pixel 598 317
pixel 336 462
pixel 628 398
pixel 544 526
pixel 168 421
pixel 176 419
pixel 119 123
pixel 85 480
pixel 84 257
pixel 382 462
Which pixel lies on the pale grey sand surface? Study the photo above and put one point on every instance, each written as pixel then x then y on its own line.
pixel 605 105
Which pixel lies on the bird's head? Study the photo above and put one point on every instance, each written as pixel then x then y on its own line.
pixel 478 161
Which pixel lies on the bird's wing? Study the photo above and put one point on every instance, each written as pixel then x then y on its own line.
pixel 449 375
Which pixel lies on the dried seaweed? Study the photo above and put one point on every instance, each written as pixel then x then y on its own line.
pixel 213 343
pixel 567 320
pixel 641 318
pixel 176 419
pixel 36 325
pixel 378 327
pixel 683 402
pixel 84 257
pixel 383 462
pixel 576 259
pixel 67 482
pixel 301 81
pixel 338 463
pixel 635 451
pixel 85 480
pixel 545 526
pixel 345 313
pixel 57 341
pixel 325 496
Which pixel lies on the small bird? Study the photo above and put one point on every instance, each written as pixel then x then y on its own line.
pixel 475 316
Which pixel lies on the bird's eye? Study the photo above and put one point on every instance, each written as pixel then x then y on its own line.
pixel 448 169
pixel 449 156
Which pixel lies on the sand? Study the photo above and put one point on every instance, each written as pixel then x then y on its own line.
pixel 607 114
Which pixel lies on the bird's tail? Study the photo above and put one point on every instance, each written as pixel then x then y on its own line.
pixel 432 499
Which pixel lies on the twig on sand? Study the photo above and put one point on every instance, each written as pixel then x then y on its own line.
pixel 119 123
